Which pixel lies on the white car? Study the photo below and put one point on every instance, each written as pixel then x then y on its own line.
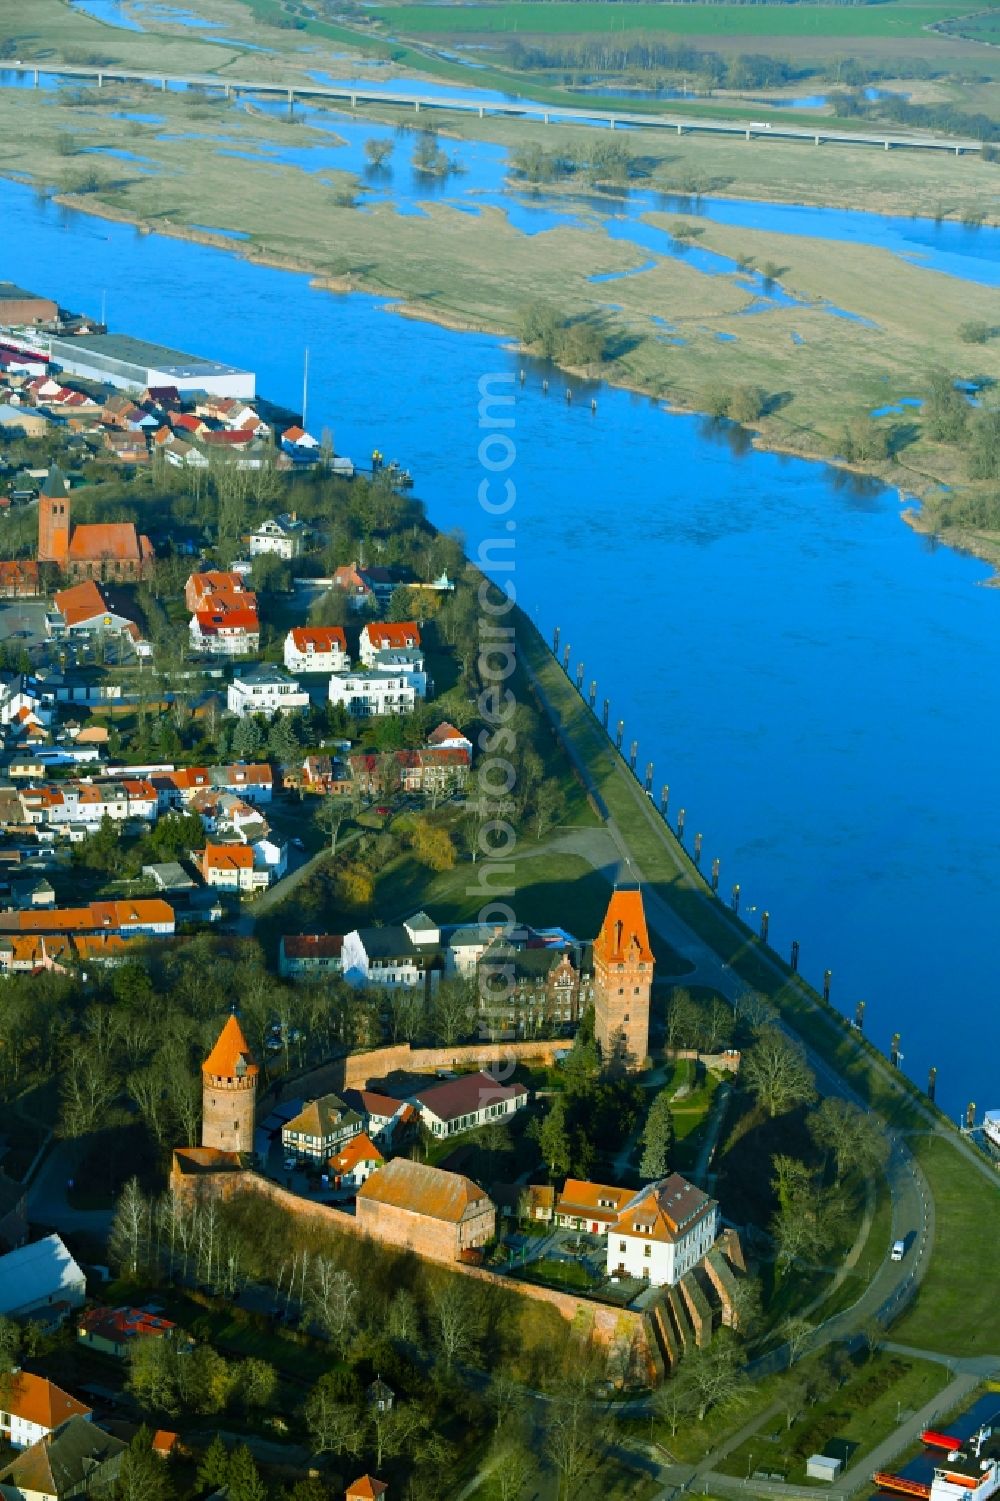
pixel 898 1250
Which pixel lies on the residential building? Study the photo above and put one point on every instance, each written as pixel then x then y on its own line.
pixel 366 694
pixel 283 536
pixel 325 774
pixel 266 690
pixel 145 917
pixel 309 956
pixel 437 770
pixel 40 1280
pixel 13 1213
pixel 623 982
pixel 467 1101
pixel 178 788
pixel 77 1459
pixel 593 1207
pixel 114 1331
pixel 531 987
pixel 443 1216
pixel 320 1129
pixel 400 956
pixel 355 1162
pixel 215 590
pixel 381 635
pixel 366 1488
pixel 228 866
pixel 316 648
pixel 360 593
pixel 407 662
pixel 88 803
pixel 225 633
pixel 229 1092
pixel 386 1118
pixel 662 1232
pixel 19 579
pixel 31 1407
pixel 301 445
pixel 447 737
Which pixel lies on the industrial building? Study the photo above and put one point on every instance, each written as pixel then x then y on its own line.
pixel 133 364
pixel 19 308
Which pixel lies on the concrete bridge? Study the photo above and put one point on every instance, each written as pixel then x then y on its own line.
pixel 548 114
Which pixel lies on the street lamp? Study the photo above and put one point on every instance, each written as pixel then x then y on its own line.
pixel 749 1468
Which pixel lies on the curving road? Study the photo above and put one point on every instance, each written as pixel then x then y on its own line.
pixel 750 130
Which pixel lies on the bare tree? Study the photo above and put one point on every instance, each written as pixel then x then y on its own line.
pixel 330 1297
pixel 796 1334
pixel 128 1241
pixel 454 1318
pixel 775 1069
pixel 333 1424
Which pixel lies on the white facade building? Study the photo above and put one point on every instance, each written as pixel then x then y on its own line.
pixel 316 648
pixel 401 958
pixel 366 694
pixel 267 691
pixel 31 1407
pixel 662 1232
pixel 38 1276
pixel 283 536
pixel 408 663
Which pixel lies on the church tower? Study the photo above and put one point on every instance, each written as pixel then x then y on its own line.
pixel 53 521
pixel 623 983
pixel 229 1092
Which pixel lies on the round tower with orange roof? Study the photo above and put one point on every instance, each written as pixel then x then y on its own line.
pixel 623 983
pixel 229 1092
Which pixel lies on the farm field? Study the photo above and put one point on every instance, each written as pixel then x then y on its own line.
pixel 559 18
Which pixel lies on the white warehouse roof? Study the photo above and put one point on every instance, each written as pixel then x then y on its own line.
pixel 34 1273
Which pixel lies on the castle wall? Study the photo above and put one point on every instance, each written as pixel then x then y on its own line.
pixel 227 1118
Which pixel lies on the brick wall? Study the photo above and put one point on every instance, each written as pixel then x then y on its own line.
pixel 227 1115
pixel 609 1327
pixel 355 1071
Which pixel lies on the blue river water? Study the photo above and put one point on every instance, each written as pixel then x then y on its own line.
pixel 815 682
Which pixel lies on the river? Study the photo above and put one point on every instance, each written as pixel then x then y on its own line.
pixel 815 682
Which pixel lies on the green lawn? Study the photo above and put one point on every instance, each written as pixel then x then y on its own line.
pixel 956 1309
pixel 849 1424
pixel 550 890
pixel 557 17
pixel 553 1273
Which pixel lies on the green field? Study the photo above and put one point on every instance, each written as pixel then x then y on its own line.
pixel 559 18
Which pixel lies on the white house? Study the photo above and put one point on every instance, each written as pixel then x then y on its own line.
pixel 316 648
pixel 265 690
pixel 388 635
pixel 367 694
pixel 355 1163
pixel 662 1232
pixel 284 536
pixel 321 1128
pixel 408 662
pixel 270 858
pixel 225 633
pixel 39 1277
pixel 32 1406
pixel 383 1115
pixel 399 957
pixel 467 1101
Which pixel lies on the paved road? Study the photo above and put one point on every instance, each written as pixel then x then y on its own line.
pixel 567 115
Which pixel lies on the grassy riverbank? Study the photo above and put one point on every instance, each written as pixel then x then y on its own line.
pixel 206 162
pixel 955 1309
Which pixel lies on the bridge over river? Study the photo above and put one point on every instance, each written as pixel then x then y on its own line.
pixel 548 114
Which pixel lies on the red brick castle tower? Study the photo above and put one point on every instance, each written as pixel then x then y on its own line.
pixel 623 982
pixel 229 1092
pixel 53 526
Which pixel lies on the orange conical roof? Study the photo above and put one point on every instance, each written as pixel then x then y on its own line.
pixel 366 1489
pixel 623 932
pixel 231 1055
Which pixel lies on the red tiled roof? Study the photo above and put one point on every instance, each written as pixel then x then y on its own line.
pixel 623 932
pixel 115 539
pixel 466 1095
pixel 422 1189
pixel 359 1149
pixel 366 1489
pixel 231 1046
pixel 319 637
pixel 35 1399
pixel 227 857
pixel 393 635
pixel 82 602
pixel 312 945
pixel 211 621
